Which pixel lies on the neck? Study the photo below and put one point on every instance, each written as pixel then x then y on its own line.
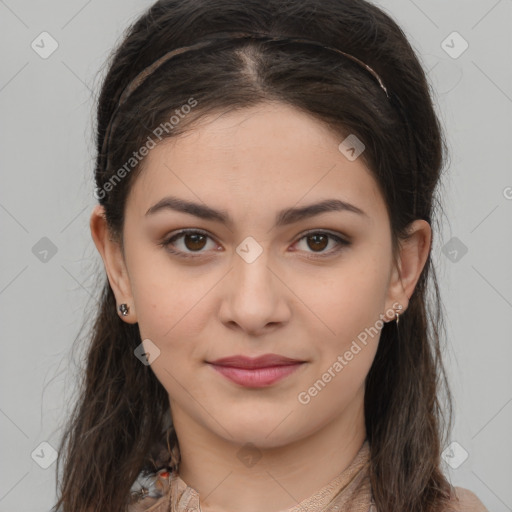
pixel 249 478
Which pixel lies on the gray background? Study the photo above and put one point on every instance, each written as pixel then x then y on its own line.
pixel 47 156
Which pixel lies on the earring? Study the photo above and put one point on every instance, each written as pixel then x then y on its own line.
pixel 397 314
pixel 123 308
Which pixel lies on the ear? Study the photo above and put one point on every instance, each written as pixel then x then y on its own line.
pixel 113 259
pixel 412 257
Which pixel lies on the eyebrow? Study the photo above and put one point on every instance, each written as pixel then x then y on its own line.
pixel 283 218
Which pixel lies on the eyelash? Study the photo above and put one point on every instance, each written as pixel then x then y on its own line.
pixel 168 241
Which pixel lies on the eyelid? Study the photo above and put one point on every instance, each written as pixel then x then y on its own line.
pixel 341 240
pixel 166 242
pixel 334 234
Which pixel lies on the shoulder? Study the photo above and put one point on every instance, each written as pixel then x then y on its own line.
pixel 464 500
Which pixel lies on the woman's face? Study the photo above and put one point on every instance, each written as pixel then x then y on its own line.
pixel 266 273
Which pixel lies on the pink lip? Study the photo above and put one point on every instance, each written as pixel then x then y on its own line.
pixel 256 372
pixel 263 361
pixel 256 377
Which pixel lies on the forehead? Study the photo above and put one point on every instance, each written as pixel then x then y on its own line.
pixel 256 159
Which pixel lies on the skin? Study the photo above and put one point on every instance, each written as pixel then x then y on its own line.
pixel 252 163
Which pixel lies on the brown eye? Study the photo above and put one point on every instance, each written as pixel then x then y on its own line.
pixel 188 243
pixel 317 242
pixel 194 241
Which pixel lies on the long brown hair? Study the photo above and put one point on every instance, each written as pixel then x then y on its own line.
pixel 119 416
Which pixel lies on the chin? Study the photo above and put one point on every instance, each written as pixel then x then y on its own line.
pixel 266 433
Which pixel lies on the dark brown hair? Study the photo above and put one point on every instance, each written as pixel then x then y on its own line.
pixel 119 415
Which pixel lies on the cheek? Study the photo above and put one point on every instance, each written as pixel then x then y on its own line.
pixel 349 298
pixel 172 309
pixel 174 317
pixel 350 305
pixel 336 388
pixel 350 308
pixel 169 299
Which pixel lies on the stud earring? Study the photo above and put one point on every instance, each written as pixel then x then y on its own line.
pixel 123 308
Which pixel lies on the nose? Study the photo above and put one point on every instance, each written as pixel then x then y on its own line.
pixel 255 298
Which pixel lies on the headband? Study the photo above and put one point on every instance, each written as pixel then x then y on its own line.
pixel 213 38
pixel 141 77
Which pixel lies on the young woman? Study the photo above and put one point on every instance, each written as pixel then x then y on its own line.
pixel 266 178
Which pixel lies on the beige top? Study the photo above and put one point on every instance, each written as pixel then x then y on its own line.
pixel 349 491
